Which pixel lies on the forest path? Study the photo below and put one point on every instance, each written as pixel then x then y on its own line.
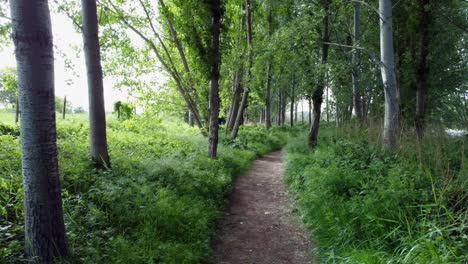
pixel 260 226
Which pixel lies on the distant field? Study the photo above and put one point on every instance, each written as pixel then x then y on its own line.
pixel 9 117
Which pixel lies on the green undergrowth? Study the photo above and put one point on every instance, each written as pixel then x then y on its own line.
pixel 364 204
pixel 158 204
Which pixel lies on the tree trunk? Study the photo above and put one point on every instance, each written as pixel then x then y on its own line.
pixel 283 108
pixel 268 98
pixel 356 63
pixel 291 115
pixel 297 111
pixel 317 96
pixel 43 214
pixel 235 101
pixel 390 137
pixel 190 118
pixel 97 114
pixel 302 111
pixel 245 95
pixel 279 109
pixel 310 110
pixel 215 6
pixel 268 88
pixel 17 110
pixel 326 100
pixel 423 69
pixel 64 110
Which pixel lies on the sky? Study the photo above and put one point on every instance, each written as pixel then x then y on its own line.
pixel 67 41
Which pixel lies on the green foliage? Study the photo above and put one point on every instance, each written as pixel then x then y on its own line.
pixel 365 205
pixel 123 110
pixel 8 86
pixel 159 204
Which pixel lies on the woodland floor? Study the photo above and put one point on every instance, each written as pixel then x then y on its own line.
pixel 260 225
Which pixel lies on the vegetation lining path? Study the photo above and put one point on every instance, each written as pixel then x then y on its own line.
pixel 260 226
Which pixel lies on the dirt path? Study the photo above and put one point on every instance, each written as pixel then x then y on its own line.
pixel 259 227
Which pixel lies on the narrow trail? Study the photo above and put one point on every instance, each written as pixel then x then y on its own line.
pixel 260 227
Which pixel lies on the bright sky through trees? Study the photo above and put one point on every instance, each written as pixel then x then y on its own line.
pixel 68 81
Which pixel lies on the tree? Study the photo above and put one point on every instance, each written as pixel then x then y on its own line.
pixel 391 119
pixel 317 96
pixel 97 114
pixel 245 94
pixel 423 68
pixel 215 8
pixel 356 62
pixel 44 226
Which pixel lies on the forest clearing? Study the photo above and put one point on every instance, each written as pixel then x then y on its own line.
pixel 233 131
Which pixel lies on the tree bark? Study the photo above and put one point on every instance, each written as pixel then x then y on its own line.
pixel 310 110
pixel 43 214
pixel 423 69
pixel 317 96
pixel 356 63
pixel 215 7
pixel 97 114
pixel 391 119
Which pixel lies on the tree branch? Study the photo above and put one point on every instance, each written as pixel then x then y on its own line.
pixel 67 13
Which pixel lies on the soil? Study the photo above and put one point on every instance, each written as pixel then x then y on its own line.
pixel 260 225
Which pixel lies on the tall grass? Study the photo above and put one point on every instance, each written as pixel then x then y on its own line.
pixel 158 204
pixel 363 204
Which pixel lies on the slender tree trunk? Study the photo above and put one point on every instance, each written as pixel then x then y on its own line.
pixel 310 110
pixel 235 101
pixel 279 109
pixel 390 137
pixel 17 110
pixel 215 6
pixel 326 101
pixel 190 118
pixel 43 214
pixel 291 115
pixel 423 69
pixel 283 109
pixel 356 63
pixel 245 95
pixel 269 66
pixel 268 98
pixel 302 111
pixel 97 114
pixel 64 110
pixel 297 111
pixel 317 96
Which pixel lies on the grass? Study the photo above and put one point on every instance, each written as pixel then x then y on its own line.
pixel 158 204
pixel 363 204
